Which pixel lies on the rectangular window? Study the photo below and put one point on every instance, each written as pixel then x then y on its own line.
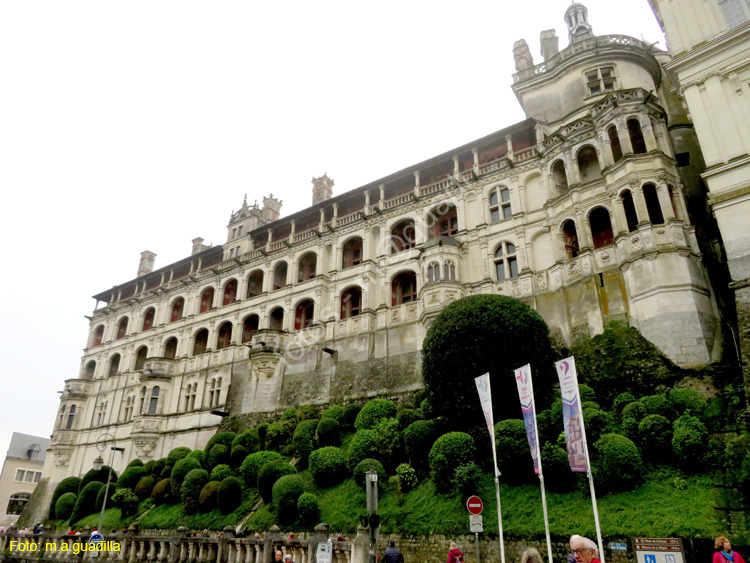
pixel 495 215
pixel 19 474
pixel 37 476
pixel 231 252
pixel 601 80
pixel 513 266
pixel 239 231
pixel 29 477
pixel 234 234
pixel 735 12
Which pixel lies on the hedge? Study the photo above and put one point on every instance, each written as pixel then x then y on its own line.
pixel 557 474
pixel 126 500
pixel 144 487
pixel 328 432
pixel 183 467
pixel 207 498
pixel 467 479
pixel 269 474
pixel 262 429
pixel 328 466
pixel 360 472
pixel 305 412
pixel 373 412
pixel 100 496
pixel 67 485
pixel 687 401
pixel 286 492
pixel 64 505
pixel 449 452
pixel 176 455
pixel 406 417
pixel 86 501
pixel 219 455
pixel 229 495
pixel 364 444
pixel 198 455
pixel 248 440
pixel 221 472
pixel 252 464
pixel 163 492
pixel 618 465
pixel 308 509
pixel 130 477
pixel 657 404
pixel 280 432
pixel 155 466
pixel 191 489
pixel 135 463
pixel 334 411
pixel 621 401
pixel 303 440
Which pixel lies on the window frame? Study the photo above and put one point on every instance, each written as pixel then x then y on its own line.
pixel 594 78
pixel 507 258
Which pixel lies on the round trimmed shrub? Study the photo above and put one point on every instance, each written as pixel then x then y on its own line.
pixel 221 472
pixel 308 509
pixel 198 455
pixel 690 442
pixel 229 495
pixel 280 433
pixel 364 444
pixel 252 464
pixel 425 407
pixel 373 412
pixel 176 455
pixel 405 417
pixel 407 477
pixel 596 421
pixel 269 474
pixel 289 414
pixel 191 489
pixel 219 455
pixel 419 437
pixel 350 415
pixel 618 463
pixel 247 440
pixel 369 464
pixel 632 414
pixel 557 474
pixel 126 500
pixel 305 412
pixel 100 496
pixel 135 463
pixel 334 411
pixel 239 453
pixel 655 437
pixel 621 401
pixel 327 466
pixel 513 457
pixel 286 493
pixel 262 429
pixel 155 466
pixel 586 393
pixel 467 480
pixel 130 477
pixel 220 438
pixel 657 404
pixel 86 501
pixel 67 485
pixel 736 452
pixel 328 432
pixel 163 492
pixel 687 401
pixel 449 452
pixel 100 475
pixel 207 498
pixel 144 487
pixel 389 443
pixel 182 468
pixel 303 440
pixel 64 505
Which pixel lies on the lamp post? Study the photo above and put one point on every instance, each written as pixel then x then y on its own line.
pixel 101 445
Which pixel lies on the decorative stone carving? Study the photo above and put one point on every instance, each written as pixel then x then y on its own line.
pixel 605 257
pixel 574 269
pixel 356 324
pixel 264 364
pixel 514 289
pixel 62 455
pixel 342 327
pixel 541 282
pixel 411 311
pixel 526 286
pixel 636 243
pixel 433 298
pixel 145 446
pixel 395 315
pixel 451 295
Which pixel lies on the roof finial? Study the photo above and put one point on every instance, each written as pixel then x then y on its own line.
pixel 244 201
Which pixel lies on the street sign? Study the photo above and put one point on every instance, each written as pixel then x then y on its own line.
pixel 96 537
pixel 475 523
pixel 658 550
pixel 324 553
pixel 615 546
pixel 474 505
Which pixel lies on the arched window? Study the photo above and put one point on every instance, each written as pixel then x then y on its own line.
pixel 403 236
pixel 148 319
pixel 114 365
pixel 351 302
pixel 61 421
pixel 351 253
pixel 207 300
pixel 122 328
pixel 636 136
pixel 142 409
pixel 601 227
pixel 249 327
pixel 140 357
pixel 588 164
pixel 308 265
pixel 17 502
pixel 201 342
pixel 500 209
pixel 90 369
pixel 614 143
pixel 506 264
pixel 303 316
pixel 225 336
pixel 276 319
pixel 652 204
pixel 154 402
pixel 71 417
pixel 98 335
pixel 570 238
pixel 230 293
pixel 449 271
pixel 177 307
pixel 433 272
pixel 128 411
pixel 443 220
pixel 279 275
pixel 670 190
pixel 190 392
pixel 170 348
pixel 255 284
pixel 559 177
pixel 631 216
pixel 404 288
pixel 214 392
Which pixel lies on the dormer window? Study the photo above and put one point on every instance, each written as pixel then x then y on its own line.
pixel 601 80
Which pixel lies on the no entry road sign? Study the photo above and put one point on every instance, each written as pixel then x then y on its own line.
pixel 474 505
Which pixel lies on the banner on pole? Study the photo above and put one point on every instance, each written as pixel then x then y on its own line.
pixel 526 394
pixel 485 399
pixel 572 416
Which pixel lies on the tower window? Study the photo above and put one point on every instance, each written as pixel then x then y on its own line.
pixel 433 272
pixel 506 264
pixel 351 302
pixel 500 209
pixel 601 80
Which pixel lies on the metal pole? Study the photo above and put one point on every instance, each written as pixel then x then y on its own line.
pixel 476 541
pixel 500 520
pixel 106 490
pixel 591 486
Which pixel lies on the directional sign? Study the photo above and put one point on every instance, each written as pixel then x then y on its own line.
pixel 474 505
pixel 475 523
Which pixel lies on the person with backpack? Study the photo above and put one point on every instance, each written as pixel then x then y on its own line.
pixel 392 554
pixel 455 555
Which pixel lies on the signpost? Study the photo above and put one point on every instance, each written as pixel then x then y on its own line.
pixel 658 550
pixel 475 506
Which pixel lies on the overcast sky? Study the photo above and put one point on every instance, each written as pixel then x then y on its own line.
pixel 140 125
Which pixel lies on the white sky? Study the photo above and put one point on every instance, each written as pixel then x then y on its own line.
pixel 127 126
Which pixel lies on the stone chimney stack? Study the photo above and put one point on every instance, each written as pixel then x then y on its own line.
pixel 522 55
pixel 322 188
pixel 146 265
pixel 271 209
pixel 197 246
pixel 549 44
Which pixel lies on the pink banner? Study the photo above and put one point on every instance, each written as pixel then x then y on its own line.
pixel 526 394
pixel 572 416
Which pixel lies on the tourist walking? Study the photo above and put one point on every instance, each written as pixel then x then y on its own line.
pixel 392 554
pixel 724 553
pixel 531 555
pixel 454 554
pixel 584 550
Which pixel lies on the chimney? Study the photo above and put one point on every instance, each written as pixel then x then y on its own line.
pixel 322 188
pixel 271 208
pixel 197 246
pixel 549 44
pixel 146 265
pixel 522 55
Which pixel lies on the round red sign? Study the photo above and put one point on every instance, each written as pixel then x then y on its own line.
pixel 474 505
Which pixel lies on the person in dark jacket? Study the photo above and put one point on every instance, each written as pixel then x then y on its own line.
pixel 392 554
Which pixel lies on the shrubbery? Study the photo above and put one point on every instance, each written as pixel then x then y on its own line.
pixel 229 495
pixel 219 455
pixel 191 489
pixel 262 429
pixel 687 401
pixel 248 440
pixel 183 467
pixel 407 477
pixel 220 438
pixel 144 487
pixel 327 466
pixel 252 464
pixel 176 455
pixel 621 401
pixel 64 505
pixel 328 432
pixel 269 474
pixel 126 500
pixel 557 474
pixel 67 485
pixel 513 457
pixel 655 437
pixel 406 416
pixel 363 445
pixel 419 437
pixel 657 404
pixel 100 496
pixel 163 492
pixel 596 421
pixel 199 455
pixel 286 492
pixel 280 432
pixel 135 463
pixel 449 452
pixel 586 393
pixel 618 463
pixel 467 479
pixel 130 477
pixel 360 472
pixel 305 412
pixel 86 501
pixel 334 411
pixel 207 498
pixel 303 440
pixel 155 466
pixel 221 472
pixel 373 412
pixel 632 415
pixel 100 475
pixel 351 412
pixel 690 442
pixel 308 509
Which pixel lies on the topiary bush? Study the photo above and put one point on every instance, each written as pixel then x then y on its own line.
pixel 449 452
pixel 305 412
pixel 736 452
pixel 155 466
pixel 269 474
pixel 286 493
pixel 67 485
pixel 328 432
pixel 373 412
pixel 191 489
pixel 479 334
pixel 220 438
pixel 621 401
pixel 425 407
pixel 100 496
pixel 238 455
pixel 308 509
pixel 290 414
pixel 303 440
pixel 419 437
pixel 252 464
pixel 280 433
pixel 363 445
pixel 207 498
pixel 163 492
pixel 687 401
pixel 407 416
pixel 221 472
pixel 467 479
pixel 198 455
pixel 328 466
pixel 182 468
pixel 657 404
pixel 135 463
pixel 360 472
pixel 389 443
pixel 655 437
pixel 690 442
pixel 334 411
pixel 64 505
pixel 513 456
pixel 248 440
pixel 350 415
pixel 632 415
pixel 407 477
pixel 144 487
pixel 126 500
pixel 100 475
pixel 130 477
pixel 586 393
pixel 618 465
pixel 229 495
pixel 262 429
pixel 596 421
pixel 219 455
pixel 86 501
pixel 557 474
pixel 176 455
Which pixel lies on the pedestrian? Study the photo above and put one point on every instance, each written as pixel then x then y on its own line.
pixel 288 558
pixel 724 553
pixel 454 554
pixel 531 555
pixel 392 554
pixel 583 549
pixel 278 556
pixel 71 532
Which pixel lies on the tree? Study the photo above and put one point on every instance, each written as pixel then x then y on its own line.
pixel 480 334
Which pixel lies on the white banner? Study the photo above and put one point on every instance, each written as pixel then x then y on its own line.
pixel 485 399
pixel 526 394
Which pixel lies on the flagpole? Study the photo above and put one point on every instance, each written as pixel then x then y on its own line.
pixel 541 480
pixel 499 518
pixel 591 486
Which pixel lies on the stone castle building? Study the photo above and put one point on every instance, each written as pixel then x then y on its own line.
pixel 582 210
